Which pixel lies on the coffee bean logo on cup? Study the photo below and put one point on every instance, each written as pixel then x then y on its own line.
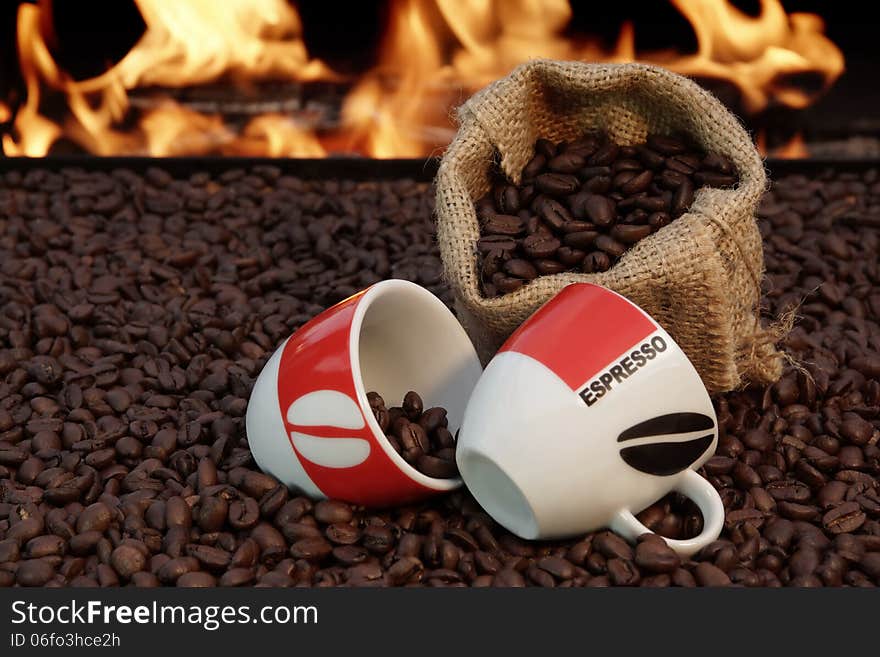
pixel 589 413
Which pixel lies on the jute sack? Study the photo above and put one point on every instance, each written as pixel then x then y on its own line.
pixel 699 277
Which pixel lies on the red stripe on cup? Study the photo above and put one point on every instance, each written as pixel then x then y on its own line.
pixel 580 331
pixel 319 405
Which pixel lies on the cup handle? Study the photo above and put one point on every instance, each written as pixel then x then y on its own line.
pixel 705 496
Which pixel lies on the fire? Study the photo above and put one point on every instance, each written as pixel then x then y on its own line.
pixel 794 148
pixel 435 53
pixel 759 54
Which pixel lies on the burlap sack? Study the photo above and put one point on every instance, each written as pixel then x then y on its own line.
pixel 699 276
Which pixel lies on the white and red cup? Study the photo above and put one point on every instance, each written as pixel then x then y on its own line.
pixel 309 422
pixel 588 414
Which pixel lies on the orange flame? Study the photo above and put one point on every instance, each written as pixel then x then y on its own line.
pixel 434 54
pixel 794 148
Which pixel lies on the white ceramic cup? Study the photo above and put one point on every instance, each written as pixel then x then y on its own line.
pixel 588 414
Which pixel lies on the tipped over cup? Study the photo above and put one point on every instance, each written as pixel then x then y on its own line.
pixel 309 421
pixel 588 414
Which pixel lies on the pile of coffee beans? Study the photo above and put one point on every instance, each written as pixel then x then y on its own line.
pixel 420 435
pixel 582 204
pixel 136 310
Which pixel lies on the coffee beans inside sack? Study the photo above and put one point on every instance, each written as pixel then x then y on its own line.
pixel 580 205
pixel 697 269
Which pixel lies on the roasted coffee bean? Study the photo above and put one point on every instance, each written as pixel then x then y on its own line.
pixel 610 246
pixel 502 224
pixel 330 511
pixel 599 209
pixel 665 145
pixel 211 558
pixel 540 246
pixel 708 574
pixel 580 240
pixel 412 406
pixel 557 184
pixel 405 569
pixel 654 555
pixel 172 569
pixel 623 572
pixel 96 517
pixel 844 518
pixel 196 580
pixel 436 467
pixel 611 546
pixel 520 269
pixel 554 213
pixel 34 572
pixel 127 560
pixel 629 234
pixel 44 546
pixel 496 243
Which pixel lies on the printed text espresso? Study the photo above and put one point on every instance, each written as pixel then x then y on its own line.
pixel 623 369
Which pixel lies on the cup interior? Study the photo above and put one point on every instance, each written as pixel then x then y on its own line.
pixel 405 338
pixel 499 495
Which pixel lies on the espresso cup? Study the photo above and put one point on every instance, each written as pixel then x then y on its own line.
pixel 588 414
pixel 309 422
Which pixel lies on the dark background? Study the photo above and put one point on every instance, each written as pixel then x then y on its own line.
pixel 94 34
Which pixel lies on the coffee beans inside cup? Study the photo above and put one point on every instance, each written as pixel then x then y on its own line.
pixel 582 204
pixel 420 435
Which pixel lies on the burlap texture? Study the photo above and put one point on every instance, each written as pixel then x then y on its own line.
pixel 699 277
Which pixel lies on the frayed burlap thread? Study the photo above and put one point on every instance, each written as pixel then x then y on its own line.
pixel 699 277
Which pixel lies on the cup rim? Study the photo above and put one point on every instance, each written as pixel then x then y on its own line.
pixel 374 292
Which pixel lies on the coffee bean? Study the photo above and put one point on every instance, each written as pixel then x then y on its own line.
pixel 196 580
pixel 44 546
pixel 629 234
pixel 557 566
pixel 520 269
pixel 580 240
pixel 127 561
pixel 540 246
pixel 34 572
pixel 172 569
pixel 708 574
pixel 405 569
pixel 96 517
pixel 214 559
pixel 682 198
pixel 557 184
pixel 665 144
pixel 502 224
pixel 599 209
pixel 612 546
pixel 436 467
pixel 508 579
pixel 623 572
pixel 656 556
pixel 638 183
pixel 610 246
pixel 844 518
pixel 412 405
pixel 566 162
pixel 605 155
